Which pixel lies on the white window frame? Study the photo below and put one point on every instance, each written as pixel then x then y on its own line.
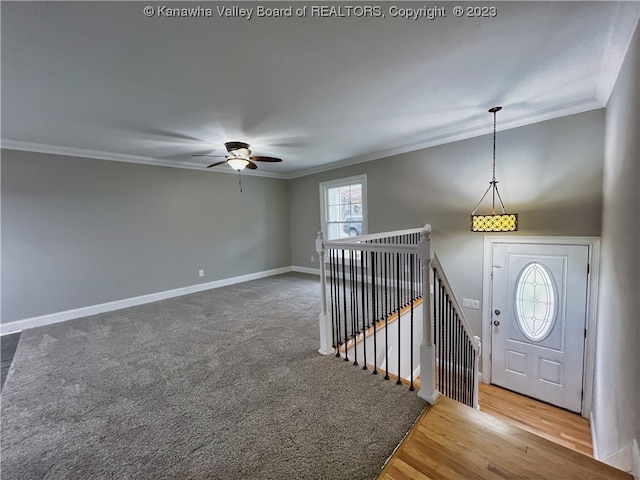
pixel 325 186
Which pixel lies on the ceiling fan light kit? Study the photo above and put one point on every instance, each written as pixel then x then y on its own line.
pixel 495 222
pixel 238 163
pixel 239 157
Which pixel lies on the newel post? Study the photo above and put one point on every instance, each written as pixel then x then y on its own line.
pixel 428 389
pixel 325 321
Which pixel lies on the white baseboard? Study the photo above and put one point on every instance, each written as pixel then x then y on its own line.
pixel 636 460
pixel 622 459
pixel 594 444
pixel 431 399
pixel 310 271
pixel 19 325
pixel 626 459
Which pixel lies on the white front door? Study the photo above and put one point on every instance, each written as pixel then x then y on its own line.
pixel 538 320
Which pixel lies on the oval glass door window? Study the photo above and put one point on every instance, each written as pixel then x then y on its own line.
pixel 535 302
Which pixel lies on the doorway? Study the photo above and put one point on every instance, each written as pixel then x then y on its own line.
pixel 538 317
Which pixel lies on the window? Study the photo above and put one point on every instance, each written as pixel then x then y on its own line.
pixel 535 302
pixel 343 207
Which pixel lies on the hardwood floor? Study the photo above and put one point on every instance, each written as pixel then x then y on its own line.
pixel 509 438
pixel 555 424
pixel 451 441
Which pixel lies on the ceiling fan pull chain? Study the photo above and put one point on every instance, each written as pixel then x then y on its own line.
pixel 240 180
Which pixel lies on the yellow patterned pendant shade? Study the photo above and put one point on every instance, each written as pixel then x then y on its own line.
pixel 495 222
pixel 507 222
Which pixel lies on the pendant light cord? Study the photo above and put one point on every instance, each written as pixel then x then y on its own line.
pixel 494 146
pixel 493 184
pixel 494 181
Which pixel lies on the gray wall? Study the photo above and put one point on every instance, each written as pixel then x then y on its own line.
pixel 79 232
pixel 616 409
pixel 550 173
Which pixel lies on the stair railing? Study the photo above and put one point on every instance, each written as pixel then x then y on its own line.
pixel 366 282
pixel 457 350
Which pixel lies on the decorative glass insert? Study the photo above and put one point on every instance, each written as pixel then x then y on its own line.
pixel 535 302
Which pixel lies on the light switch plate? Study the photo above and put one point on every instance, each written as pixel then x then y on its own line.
pixel 471 303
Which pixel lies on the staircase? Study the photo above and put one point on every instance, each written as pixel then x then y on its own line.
pixel 402 333
pixel 387 306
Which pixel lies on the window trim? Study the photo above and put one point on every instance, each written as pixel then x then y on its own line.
pixel 324 187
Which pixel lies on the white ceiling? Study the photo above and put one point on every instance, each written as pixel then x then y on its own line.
pixel 105 81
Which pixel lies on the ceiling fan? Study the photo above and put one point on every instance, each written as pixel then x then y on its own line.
pixel 239 157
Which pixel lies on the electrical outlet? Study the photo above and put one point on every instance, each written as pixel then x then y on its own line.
pixel 201 273
pixel 471 303
pixel 313 259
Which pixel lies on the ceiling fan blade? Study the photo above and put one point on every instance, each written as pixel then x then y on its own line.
pixel 216 164
pixel 231 146
pixel 265 159
pixel 206 155
pixel 251 166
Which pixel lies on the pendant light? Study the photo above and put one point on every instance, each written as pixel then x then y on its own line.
pixel 495 222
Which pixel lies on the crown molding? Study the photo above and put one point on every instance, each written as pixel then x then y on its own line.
pixel 461 134
pixel 441 138
pixel 621 33
pixel 118 157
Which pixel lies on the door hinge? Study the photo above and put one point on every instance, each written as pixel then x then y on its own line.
pixel 581 395
pixel 588 268
pixel 585 333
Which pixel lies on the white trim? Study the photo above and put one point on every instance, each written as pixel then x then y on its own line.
pixel 310 271
pixel 593 243
pixel 449 135
pixel 594 444
pixel 626 459
pixel 635 471
pixel 617 46
pixel 323 186
pixel 19 325
pixel 622 459
pixel 374 236
pixel 431 399
pixel 441 137
pixel 119 157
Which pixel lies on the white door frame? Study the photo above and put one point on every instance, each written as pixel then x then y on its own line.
pixel 592 304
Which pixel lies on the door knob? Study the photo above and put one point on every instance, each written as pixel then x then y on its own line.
pixel 497 312
pixel 496 323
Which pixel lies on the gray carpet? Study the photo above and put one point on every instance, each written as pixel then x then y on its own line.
pixel 223 384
